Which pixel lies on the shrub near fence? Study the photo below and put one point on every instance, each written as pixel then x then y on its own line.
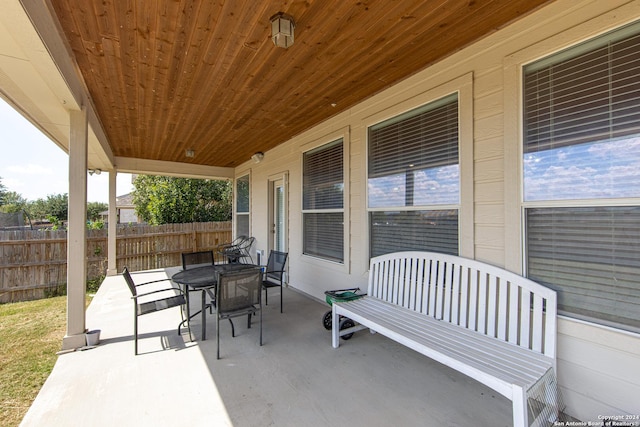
pixel 33 264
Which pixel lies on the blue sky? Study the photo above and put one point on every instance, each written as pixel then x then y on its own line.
pixel 35 167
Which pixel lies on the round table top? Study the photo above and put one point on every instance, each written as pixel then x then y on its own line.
pixel 197 277
pixel 200 277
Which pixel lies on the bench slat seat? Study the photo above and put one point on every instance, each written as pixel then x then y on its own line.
pixel 495 363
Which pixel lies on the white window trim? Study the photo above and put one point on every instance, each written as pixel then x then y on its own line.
pixel 345 135
pixel 513 66
pixel 463 85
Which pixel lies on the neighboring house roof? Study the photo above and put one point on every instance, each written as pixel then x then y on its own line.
pixel 122 202
pixel 125 201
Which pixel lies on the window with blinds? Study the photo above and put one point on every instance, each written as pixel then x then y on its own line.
pixel 582 142
pixel 582 121
pixel 242 206
pixel 323 202
pixel 414 180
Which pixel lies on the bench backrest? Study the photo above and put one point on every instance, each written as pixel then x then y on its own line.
pixel 470 294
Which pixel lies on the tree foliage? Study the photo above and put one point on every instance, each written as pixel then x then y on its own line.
pixel 94 209
pixel 55 206
pixel 3 192
pixel 169 200
pixel 12 202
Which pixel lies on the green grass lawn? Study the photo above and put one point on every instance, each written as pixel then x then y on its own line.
pixel 30 335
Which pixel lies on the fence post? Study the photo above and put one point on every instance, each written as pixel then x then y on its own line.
pixel 194 240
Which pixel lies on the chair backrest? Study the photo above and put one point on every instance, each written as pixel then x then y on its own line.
pixel 245 248
pixel 234 245
pixel 196 259
pixel 237 290
pixel 129 280
pixel 275 265
pixel 246 244
pixel 235 242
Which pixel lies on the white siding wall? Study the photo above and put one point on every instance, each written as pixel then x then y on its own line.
pixel 599 368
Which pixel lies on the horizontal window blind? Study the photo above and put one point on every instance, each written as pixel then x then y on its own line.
pixel 414 230
pixel 591 256
pixel 323 235
pixel 323 180
pixel 584 96
pixel 242 224
pixel 422 139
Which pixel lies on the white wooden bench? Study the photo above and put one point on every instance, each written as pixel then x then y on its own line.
pixel 490 324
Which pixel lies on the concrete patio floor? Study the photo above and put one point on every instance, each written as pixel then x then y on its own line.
pixel 295 379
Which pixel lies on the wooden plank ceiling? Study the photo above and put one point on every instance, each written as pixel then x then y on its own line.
pixel 168 76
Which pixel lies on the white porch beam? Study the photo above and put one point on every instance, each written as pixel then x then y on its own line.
pixel 77 231
pixel 184 170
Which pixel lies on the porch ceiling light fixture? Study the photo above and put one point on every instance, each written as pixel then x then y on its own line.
pixel 282 27
pixel 258 157
pixel 96 171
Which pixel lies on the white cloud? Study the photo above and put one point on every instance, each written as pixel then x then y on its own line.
pixel 597 170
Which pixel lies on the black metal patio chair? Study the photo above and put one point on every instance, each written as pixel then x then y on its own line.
pixel 238 251
pixel 274 274
pixel 195 260
pixel 238 293
pixel 225 248
pixel 152 301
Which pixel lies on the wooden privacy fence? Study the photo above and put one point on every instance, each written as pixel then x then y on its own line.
pixel 33 264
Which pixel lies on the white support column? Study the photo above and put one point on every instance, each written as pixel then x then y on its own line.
pixel 77 231
pixel 112 267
